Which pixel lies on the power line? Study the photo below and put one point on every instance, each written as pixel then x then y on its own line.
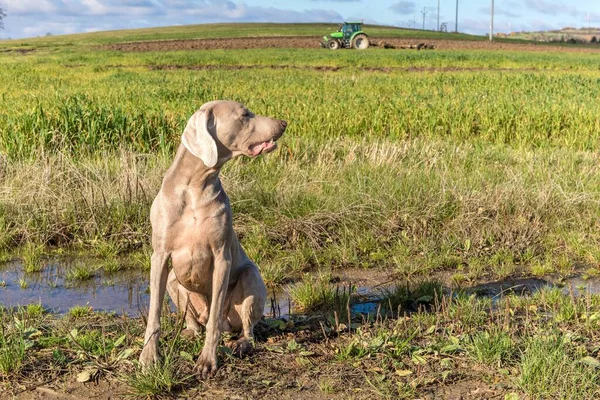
pixel 424 12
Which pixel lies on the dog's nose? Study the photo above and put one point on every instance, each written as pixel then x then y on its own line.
pixel 283 124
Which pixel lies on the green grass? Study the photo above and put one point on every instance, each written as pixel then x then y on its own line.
pixel 32 257
pixel 80 311
pixel 312 293
pixel 156 380
pixel 493 347
pixel 12 353
pixel 80 272
pixel 550 370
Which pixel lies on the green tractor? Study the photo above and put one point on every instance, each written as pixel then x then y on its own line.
pixel 349 35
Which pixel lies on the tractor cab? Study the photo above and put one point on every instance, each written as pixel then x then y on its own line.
pixel 349 35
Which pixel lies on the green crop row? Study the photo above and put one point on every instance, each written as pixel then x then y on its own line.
pixel 80 108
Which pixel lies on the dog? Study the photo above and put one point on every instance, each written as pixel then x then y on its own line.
pixel 212 280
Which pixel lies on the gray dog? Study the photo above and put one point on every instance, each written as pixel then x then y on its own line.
pixel 212 281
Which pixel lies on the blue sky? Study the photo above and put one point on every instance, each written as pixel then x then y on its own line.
pixel 27 18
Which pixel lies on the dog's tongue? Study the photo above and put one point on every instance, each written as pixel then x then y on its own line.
pixel 256 149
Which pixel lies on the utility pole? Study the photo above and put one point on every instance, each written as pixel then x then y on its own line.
pixel 456 20
pixel 588 20
pixel 438 17
pixel 424 12
pixel 492 23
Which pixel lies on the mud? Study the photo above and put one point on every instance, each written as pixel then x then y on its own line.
pixel 19 51
pixel 200 67
pixel 312 42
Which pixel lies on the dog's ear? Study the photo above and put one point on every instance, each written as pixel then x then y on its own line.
pixel 198 140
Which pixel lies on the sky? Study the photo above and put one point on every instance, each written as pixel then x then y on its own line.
pixel 30 18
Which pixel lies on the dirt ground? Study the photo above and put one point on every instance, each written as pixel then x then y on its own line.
pixel 309 42
pixel 279 375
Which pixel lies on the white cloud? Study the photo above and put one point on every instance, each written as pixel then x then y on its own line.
pixel 552 7
pixel 24 7
pixel 71 16
pixel 55 28
pixel 404 7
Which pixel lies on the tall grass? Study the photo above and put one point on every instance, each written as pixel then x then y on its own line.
pixel 415 206
pixel 95 107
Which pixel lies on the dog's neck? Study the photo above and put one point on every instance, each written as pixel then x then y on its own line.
pixel 189 170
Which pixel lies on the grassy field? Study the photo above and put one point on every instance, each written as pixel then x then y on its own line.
pixel 466 165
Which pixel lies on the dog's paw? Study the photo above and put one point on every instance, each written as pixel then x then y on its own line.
pixel 207 364
pixel 149 356
pixel 241 347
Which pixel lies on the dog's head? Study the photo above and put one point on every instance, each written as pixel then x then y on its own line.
pixel 221 130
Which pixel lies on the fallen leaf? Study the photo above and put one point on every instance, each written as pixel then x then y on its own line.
pixel 87 375
pixel 591 361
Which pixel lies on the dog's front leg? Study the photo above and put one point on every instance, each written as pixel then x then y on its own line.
pixel 207 362
pixel 158 283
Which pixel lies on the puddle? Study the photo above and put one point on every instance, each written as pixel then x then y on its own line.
pixel 125 292
pixel 121 292
pixel 518 286
pixel 364 301
pixel 577 286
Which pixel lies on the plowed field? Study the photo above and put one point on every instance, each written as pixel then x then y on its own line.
pixel 308 42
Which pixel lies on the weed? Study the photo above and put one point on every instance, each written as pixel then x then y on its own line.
pixel 468 310
pixel 542 268
pixel 12 352
pixel 80 272
pixel 32 257
pixel 35 310
pixel 80 311
pixel 111 266
pixel 141 259
pixel 156 379
pixel 23 283
pixel 549 371
pixel 105 249
pixel 313 292
pixel 491 347
pixel 327 386
pixel 402 297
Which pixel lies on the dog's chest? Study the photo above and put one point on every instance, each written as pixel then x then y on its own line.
pixel 200 231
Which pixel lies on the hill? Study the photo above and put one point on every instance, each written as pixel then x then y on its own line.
pixel 212 31
pixel 564 35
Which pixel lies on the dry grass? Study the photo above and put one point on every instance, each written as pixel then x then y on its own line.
pixel 417 206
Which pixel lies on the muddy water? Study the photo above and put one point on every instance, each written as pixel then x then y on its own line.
pixel 121 292
pixel 126 292
pixel 525 286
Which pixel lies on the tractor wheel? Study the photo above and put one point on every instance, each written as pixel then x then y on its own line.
pixel 360 42
pixel 334 44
